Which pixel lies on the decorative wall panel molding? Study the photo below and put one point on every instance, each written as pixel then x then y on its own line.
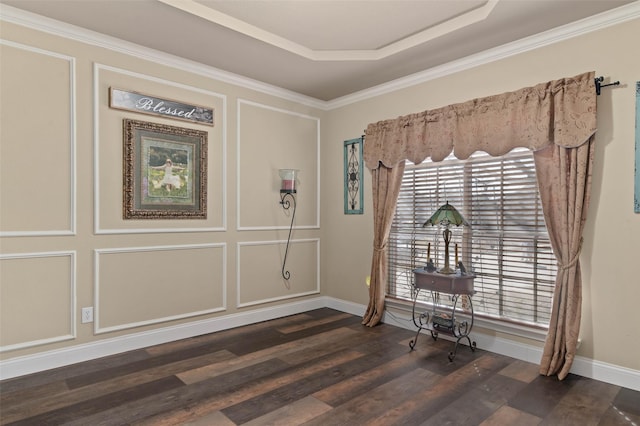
pixel 139 286
pixel 50 316
pixel 38 159
pixel 107 193
pixel 270 139
pixel 259 275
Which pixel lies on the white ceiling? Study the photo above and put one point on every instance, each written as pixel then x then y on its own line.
pixel 323 49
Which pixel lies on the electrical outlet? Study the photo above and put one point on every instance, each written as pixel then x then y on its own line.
pixel 87 315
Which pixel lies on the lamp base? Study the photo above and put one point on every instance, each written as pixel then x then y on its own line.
pixel 446 270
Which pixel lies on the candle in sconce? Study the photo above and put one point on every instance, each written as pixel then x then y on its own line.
pixel 428 251
pixel 456 253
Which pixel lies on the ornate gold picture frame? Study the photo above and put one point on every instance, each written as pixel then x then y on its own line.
pixel 165 171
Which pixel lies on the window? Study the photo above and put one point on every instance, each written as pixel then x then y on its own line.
pixel 506 246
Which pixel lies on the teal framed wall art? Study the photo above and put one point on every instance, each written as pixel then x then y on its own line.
pixel 636 198
pixel 353 176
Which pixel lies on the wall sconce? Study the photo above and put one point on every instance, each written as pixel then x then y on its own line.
pixel 288 179
pixel 446 215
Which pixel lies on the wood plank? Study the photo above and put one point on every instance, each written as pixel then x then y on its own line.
pixel 38 404
pixel 293 414
pixel 506 415
pixel 66 372
pixel 363 341
pixel 476 404
pixel 12 400
pixel 498 388
pixel 216 418
pixel 266 338
pixel 217 337
pixel 627 401
pixel 521 370
pixel 215 369
pixel 363 383
pixel 430 400
pixel 252 390
pixel 290 328
pixel 92 406
pixel 614 416
pixel 542 395
pixel 586 402
pixel 283 395
pixel 139 366
pixel 186 398
pixel 375 403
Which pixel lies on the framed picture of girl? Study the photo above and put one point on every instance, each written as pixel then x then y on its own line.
pixel 165 171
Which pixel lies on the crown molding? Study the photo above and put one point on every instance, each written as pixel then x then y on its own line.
pixel 82 35
pixel 597 22
pixel 603 20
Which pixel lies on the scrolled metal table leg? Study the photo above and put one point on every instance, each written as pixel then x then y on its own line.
pixel 462 331
pixel 420 321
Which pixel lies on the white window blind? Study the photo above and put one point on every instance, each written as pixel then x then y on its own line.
pixel 506 246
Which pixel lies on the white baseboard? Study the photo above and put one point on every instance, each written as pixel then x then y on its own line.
pixel 345 306
pixel 598 370
pixel 14 367
pixel 28 364
pixel 605 372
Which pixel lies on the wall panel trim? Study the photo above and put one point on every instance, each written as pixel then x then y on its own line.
pixel 72 146
pixel 239 304
pixel 72 290
pixel 96 289
pixel 241 227
pixel 98 229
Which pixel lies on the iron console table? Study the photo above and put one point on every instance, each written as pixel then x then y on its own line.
pixel 440 319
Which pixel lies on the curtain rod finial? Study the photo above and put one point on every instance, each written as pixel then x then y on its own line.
pixel 599 85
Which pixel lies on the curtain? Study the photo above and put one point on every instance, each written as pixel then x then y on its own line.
pixel 560 112
pixel 556 120
pixel 386 186
pixel 564 179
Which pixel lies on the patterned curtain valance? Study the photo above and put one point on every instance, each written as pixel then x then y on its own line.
pixel 561 112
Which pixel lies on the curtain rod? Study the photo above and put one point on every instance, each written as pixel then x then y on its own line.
pixel 599 84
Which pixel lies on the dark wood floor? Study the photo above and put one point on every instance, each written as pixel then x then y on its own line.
pixel 317 368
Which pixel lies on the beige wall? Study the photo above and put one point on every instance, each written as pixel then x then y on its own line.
pixel 610 251
pixel 65 244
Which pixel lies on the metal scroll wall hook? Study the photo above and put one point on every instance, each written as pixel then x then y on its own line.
pixel 287 199
pixel 286 204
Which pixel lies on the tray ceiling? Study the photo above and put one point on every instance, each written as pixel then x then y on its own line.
pixel 323 49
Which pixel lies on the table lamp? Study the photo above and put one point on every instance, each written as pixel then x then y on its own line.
pixel 446 216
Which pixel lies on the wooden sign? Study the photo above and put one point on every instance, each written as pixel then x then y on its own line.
pixel 145 104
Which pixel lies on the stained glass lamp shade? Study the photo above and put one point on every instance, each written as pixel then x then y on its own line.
pixel 446 216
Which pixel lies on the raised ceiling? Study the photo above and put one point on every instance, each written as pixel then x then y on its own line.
pixel 323 49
